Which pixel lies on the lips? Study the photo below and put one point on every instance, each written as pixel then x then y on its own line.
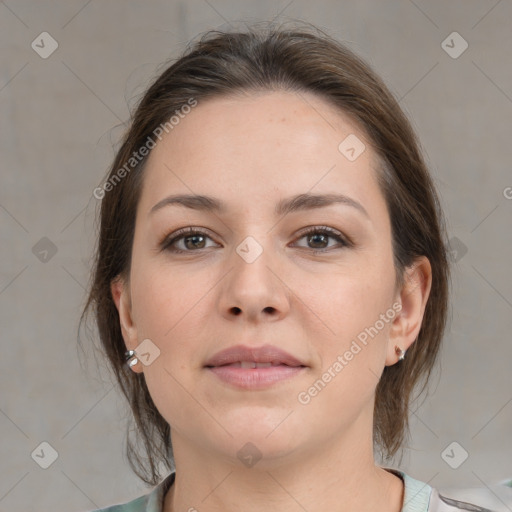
pixel 253 357
pixel 254 368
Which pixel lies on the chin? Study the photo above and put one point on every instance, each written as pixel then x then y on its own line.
pixel 268 441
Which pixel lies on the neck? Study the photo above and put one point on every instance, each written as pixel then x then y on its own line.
pixel 340 477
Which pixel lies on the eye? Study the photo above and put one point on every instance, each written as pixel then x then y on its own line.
pixel 193 239
pixel 319 237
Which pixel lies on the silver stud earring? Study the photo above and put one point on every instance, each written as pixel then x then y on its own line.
pixel 131 358
pixel 400 353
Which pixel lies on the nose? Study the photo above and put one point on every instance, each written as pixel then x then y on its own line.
pixel 255 288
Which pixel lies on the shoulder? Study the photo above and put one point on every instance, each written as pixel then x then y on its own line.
pixel 137 505
pixel 421 497
pixel 150 502
pixel 495 498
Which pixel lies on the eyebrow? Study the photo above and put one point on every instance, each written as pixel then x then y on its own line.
pixel 296 203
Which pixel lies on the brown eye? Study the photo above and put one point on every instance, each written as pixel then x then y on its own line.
pixel 191 240
pixel 194 241
pixel 318 238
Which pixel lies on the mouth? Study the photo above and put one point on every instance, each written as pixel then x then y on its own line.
pixel 244 356
pixel 254 367
pixel 254 364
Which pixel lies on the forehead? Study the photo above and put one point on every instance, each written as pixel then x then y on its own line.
pixel 259 144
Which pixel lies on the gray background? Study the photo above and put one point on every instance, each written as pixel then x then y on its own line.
pixel 61 115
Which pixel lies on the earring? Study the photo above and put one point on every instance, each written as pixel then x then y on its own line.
pixel 131 358
pixel 400 353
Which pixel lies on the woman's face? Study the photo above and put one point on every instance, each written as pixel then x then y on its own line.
pixel 253 277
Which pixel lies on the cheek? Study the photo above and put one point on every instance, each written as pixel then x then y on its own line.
pixel 168 311
pixel 174 310
pixel 353 328
pixel 352 359
pixel 162 301
pixel 352 303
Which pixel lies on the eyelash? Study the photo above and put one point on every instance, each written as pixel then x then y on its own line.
pixel 167 243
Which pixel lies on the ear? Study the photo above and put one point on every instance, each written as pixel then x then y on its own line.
pixel 121 296
pixel 410 303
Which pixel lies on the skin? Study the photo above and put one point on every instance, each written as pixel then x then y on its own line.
pixel 251 151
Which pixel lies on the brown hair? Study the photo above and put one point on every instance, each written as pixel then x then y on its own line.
pixel 265 59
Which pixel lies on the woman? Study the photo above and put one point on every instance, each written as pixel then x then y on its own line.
pixel 271 281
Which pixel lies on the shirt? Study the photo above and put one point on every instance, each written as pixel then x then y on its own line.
pixel 418 497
